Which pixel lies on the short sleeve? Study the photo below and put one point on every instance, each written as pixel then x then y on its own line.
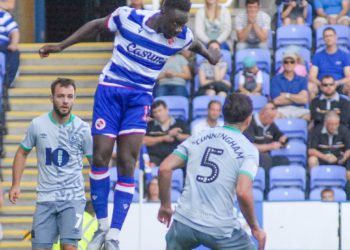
pixel 189 38
pixel 266 21
pixel 112 20
pixel 303 84
pixel 250 164
pixel 346 59
pixel 9 23
pixel 241 79
pixel 182 150
pixel 316 60
pixel 29 140
pixel 259 78
pixel 87 146
pixel 239 23
pixel 318 4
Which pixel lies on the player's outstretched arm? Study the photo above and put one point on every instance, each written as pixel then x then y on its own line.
pixel 213 56
pixel 170 163
pixel 17 172
pixel 88 30
pixel 246 203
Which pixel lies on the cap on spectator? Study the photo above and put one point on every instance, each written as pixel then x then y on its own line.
pixel 289 54
pixel 249 62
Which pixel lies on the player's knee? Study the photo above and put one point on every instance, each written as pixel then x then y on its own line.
pixel 100 160
pixel 126 162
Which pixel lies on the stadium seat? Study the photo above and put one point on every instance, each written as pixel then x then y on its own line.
pixel 295 151
pixel 259 180
pixel 177 105
pixel 339 194
pixel 258 101
pixel 262 57
pixel 200 105
pixel 201 247
pixel 328 176
pixel 177 181
pixel 303 52
pixel 175 195
pixel 308 20
pixel 288 176
pixel 293 128
pixel 343 36
pixel 258 194
pixel 300 35
pixel 265 83
pixel 286 194
pixel 226 56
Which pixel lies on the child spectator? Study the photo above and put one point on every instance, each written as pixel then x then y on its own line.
pixel 250 78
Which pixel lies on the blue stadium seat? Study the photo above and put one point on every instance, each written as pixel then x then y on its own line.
pixel 177 105
pixel 258 101
pixel 300 35
pixel 259 180
pixel 265 83
pixel 288 176
pixel 303 52
pixel 201 247
pixel 308 20
pixel 343 36
pixel 258 194
pixel 177 181
pixel 200 105
pixel 286 194
pixel 175 195
pixel 339 194
pixel 295 151
pixel 262 57
pixel 293 128
pixel 328 176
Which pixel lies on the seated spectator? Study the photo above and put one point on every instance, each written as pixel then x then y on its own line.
pixel 329 100
pixel 212 77
pixel 212 120
pixel 250 78
pixel 152 192
pixel 331 12
pixel 7 5
pixel 164 133
pixel 327 194
pixel 300 68
pixel 329 144
pixel 252 27
pixel 266 136
pixel 330 61
pixel 137 4
pixel 213 23
pixel 289 91
pixel 295 12
pixel 9 40
pixel 173 78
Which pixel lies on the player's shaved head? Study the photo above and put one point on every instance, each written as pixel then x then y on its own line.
pixel 237 108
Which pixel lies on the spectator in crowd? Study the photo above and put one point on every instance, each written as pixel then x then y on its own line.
pixel 329 144
pixel 7 5
pixel 330 61
pixel 289 91
pixel 213 23
pixel 152 191
pixel 1 193
pixel 212 77
pixel 212 120
pixel 329 100
pixel 137 4
pixel 250 78
pixel 164 133
pixel 300 67
pixel 266 136
pixel 9 39
pixel 295 12
pixel 331 12
pixel 173 79
pixel 252 27
pixel 327 194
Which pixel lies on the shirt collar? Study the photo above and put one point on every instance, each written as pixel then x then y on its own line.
pixel 336 97
pixel 258 121
pixel 324 131
pixel 172 122
pixel 146 18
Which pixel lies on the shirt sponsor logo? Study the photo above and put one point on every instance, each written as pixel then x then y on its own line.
pixel 133 49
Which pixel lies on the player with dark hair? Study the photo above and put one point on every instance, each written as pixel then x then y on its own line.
pixel 221 163
pixel 144 41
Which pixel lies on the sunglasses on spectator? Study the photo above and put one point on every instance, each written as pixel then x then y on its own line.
pixel 289 61
pixel 327 84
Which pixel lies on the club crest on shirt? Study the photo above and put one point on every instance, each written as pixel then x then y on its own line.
pixel 100 124
pixel 171 41
pixel 75 140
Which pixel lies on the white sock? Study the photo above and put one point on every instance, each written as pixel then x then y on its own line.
pixel 103 224
pixel 113 234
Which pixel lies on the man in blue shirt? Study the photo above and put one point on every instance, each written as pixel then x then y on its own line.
pixel 289 91
pixel 330 61
pixel 331 12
